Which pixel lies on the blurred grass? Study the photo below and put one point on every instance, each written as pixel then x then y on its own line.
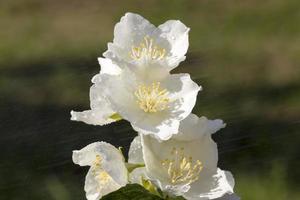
pixel 273 186
pixel 245 54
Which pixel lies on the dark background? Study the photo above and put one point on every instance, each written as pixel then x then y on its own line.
pixel 245 54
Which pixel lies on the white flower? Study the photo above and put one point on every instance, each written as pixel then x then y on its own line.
pixel 186 164
pixel 139 42
pixel 152 105
pixel 101 112
pixel 107 171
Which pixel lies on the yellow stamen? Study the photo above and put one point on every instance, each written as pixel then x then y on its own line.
pixel 152 98
pixel 102 176
pixel 182 169
pixel 148 50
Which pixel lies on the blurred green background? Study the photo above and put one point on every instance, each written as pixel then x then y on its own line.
pixel 245 54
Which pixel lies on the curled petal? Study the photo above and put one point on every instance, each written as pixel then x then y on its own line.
pixel 193 127
pixel 93 117
pixel 108 67
pixel 183 94
pixel 211 185
pixel 176 33
pixel 101 111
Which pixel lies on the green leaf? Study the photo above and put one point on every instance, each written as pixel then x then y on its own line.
pixel 131 192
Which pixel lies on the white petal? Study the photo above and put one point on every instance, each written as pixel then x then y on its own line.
pixel 137 175
pixel 93 117
pixel 183 94
pixel 108 67
pixel 161 127
pixel 95 188
pixel 176 33
pixel 170 190
pixel 135 154
pixel 211 185
pixel 91 187
pixel 100 109
pixel 87 155
pixel 131 29
pixel 193 127
pixel 98 101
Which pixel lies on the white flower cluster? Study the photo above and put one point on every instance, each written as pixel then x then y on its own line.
pixel 173 154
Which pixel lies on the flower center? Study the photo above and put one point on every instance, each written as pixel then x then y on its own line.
pixel 152 98
pixel 147 49
pixel 182 169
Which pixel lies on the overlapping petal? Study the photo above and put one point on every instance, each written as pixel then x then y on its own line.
pixel 176 33
pixel 135 153
pixel 100 112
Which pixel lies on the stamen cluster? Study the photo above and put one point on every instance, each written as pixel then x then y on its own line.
pixel 182 169
pixel 152 98
pixel 147 49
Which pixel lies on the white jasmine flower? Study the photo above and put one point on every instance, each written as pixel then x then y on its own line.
pixel 107 171
pixel 186 164
pixel 101 112
pixel 152 105
pixel 148 48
